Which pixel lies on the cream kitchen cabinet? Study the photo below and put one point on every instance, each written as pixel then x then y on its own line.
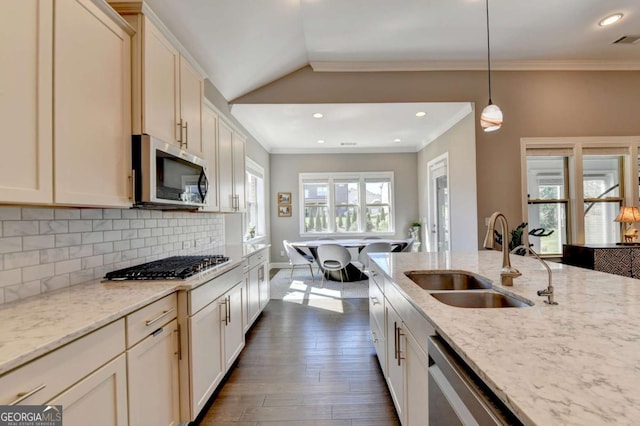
pixel 210 153
pixel 405 354
pixel 168 92
pixel 152 364
pixel 82 53
pixel 231 169
pixel 86 376
pixel 257 293
pixel 212 315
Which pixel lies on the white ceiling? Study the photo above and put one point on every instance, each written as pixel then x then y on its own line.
pixel 245 44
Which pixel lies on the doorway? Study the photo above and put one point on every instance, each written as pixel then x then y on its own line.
pixel 438 234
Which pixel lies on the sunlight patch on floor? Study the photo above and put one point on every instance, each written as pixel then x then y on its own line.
pixel 316 297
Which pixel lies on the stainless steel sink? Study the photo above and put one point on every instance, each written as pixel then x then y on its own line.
pixel 448 280
pixel 479 299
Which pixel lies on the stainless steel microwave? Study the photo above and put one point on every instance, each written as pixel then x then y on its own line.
pixel 167 177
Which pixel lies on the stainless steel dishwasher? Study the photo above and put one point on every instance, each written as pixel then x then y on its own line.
pixel 457 396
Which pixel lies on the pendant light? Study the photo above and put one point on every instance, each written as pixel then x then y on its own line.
pixel 491 117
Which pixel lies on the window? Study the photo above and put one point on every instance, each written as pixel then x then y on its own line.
pixel 548 200
pixel 342 203
pixel 575 188
pixel 254 218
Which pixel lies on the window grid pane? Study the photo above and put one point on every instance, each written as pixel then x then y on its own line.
pixel 315 206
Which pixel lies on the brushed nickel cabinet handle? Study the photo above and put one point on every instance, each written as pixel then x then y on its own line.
pixel 229 310
pixel 177 331
pixel 395 340
pixel 133 185
pixel 24 395
pixel 224 302
pixel 179 138
pixel 158 318
pixel 399 354
pixel 186 134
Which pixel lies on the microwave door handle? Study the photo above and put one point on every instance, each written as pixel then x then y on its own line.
pixel 203 182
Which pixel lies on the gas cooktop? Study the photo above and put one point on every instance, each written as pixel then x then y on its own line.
pixel 171 268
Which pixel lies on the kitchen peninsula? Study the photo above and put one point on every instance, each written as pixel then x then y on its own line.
pixel 575 363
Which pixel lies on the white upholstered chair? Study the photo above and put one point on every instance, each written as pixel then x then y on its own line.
pixel 333 257
pixel 378 247
pixel 298 259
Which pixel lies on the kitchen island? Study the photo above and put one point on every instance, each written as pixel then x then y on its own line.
pixel 575 363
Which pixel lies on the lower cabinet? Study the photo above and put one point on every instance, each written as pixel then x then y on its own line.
pixel 402 350
pixel 99 399
pixel 258 289
pixel 213 317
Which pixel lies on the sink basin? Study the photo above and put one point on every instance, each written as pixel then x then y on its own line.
pixel 448 280
pixel 484 299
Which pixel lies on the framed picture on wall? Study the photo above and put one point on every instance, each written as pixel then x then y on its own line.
pixel 284 198
pixel 284 210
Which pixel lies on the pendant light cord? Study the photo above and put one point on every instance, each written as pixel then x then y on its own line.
pixel 488 51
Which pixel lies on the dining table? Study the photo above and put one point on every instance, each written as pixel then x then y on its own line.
pixel 352 272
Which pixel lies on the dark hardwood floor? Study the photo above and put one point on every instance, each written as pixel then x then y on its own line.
pixel 306 365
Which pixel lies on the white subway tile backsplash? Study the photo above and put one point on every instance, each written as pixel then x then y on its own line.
pixel 102 248
pixel 11 276
pixel 54 226
pixel 92 237
pixel 10 213
pixel 31 273
pixel 10 244
pixel 47 249
pixel 12 228
pixel 19 260
pixel 91 213
pixel 38 242
pixel 54 255
pixel 29 213
pixel 80 226
pixel 66 214
pixel 67 266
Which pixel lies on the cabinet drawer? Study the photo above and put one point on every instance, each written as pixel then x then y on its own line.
pixel 210 291
pixel 146 320
pixel 51 374
pixel 376 304
pixel 257 258
pixel 376 275
pixel 417 324
pixel 378 339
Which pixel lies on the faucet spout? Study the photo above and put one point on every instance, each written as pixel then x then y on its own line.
pixel 548 292
pixel 507 273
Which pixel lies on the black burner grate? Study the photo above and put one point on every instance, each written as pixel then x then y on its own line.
pixel 171 268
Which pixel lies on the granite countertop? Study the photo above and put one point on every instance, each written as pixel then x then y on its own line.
pixel 577 363
pixel 34 326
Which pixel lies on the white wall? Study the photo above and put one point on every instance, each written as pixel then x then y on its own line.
pixel 284 178
pixel 459 143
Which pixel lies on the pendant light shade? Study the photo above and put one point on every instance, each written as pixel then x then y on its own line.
pixel 491 117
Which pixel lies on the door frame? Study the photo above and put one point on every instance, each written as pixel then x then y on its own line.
pixel 434 167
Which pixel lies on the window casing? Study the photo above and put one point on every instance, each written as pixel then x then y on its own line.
pixel 255 216
pixel 576 187
pixel 346 203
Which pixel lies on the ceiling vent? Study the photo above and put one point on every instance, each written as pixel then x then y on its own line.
pixel 629 39
pixel 348 144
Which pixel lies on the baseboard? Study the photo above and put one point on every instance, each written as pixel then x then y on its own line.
pixel 279 265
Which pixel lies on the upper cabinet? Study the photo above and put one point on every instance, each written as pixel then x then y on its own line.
pixel 168 91
pixel 80 52
pixel 210 153
pixel 231 169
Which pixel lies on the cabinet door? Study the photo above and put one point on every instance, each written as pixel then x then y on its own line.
pixel 205 337
pixel 225 167
pixel 253 294
pixel 92 131
pixel 152 367
pixel 191 97
pixel 161 90
pixel 99 399
pixel 210 153
pixel 395 366
pixel 26 67
pixel 239 173
pixel 264 287
pixel 416 364
pixel 233 330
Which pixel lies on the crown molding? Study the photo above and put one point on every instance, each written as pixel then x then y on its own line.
pixel 446 125
pixel 552 65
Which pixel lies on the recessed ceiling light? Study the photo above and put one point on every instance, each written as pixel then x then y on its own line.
pixel 396 140
pixel 421 114
pixel 320 140
pixel 318 115
pixel 611 19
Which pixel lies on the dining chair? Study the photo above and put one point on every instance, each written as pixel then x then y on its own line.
pixel 333 257
pixel 297 259
pixel 378 247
